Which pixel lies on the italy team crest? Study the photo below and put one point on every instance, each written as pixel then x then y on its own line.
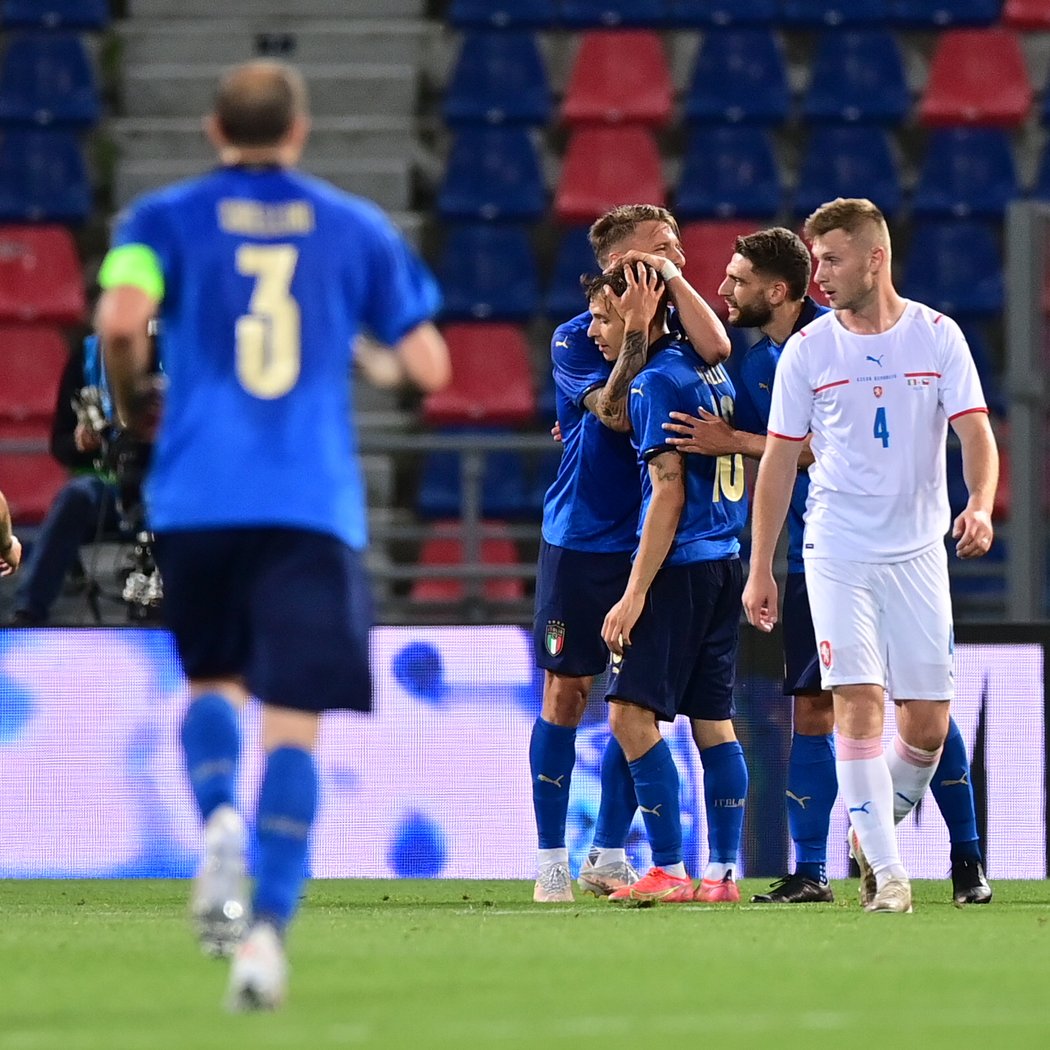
pixel 554 639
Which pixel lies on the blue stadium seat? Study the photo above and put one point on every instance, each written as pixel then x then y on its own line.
pixel 42 177
pixel 848 161
pixel 544 470
pixel 488 273
pixel 493 173
pixel 723 12
pixel 47 79
pixel 1041 187
pixel 499 78
pixel 939 13
pixel 955 266
pixel 728 171
pixel 804 14
pixel 593 14
pixel 504 14
pixel 547 398
pixel 504 486
pixel 966 171
pixel 564 298
pixel 982 358
pixel 55 14
pixel 739 76
pixel 857 76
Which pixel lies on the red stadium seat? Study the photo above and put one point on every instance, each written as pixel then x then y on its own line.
pixel 977 76
pixel 708 247
pixel 605 167
pixel 443 549
pixel 1027 14
pixel 491 378
pixel 620 76
pixel 31 364
pixel 40 278
pixel 30 481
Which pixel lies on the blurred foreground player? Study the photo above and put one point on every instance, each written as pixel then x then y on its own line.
pixel 262 277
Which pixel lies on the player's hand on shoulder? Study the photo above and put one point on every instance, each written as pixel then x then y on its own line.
pixel 974 532
pixel 760 600
pixel 11 557
pixel 706 434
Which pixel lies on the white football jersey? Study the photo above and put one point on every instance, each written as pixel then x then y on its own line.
pixel 878 407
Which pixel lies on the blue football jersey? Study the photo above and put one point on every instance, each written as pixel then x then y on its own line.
pixel 752 414
pixel 594 500
pixel 269 275
pixel 676 379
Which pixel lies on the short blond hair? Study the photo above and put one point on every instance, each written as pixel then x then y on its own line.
pixel 850 214
pixel 619 223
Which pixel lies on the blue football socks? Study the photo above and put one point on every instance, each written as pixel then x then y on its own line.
pixel 552 754
pixel 954 796
pixel 656 787
pixel 725 789
pixel 812 786
pixel 287 804
pixel 618 803
pixel 211 746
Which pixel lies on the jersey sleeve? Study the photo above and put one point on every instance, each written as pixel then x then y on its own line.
pixel 791 410
pixel 143 249
pixel 578 364
pixel 403 291
pixel 959 384
pixel 650 403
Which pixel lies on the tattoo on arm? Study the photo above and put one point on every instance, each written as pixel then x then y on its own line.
pixel 668 468
pixel 610 404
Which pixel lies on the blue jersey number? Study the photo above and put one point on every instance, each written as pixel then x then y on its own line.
pixel 882 430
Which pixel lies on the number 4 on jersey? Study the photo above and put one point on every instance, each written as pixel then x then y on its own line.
pixel 882 430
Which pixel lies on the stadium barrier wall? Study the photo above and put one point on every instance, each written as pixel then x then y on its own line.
pixel 436 783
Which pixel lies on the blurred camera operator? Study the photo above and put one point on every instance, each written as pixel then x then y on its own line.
pixel 92 502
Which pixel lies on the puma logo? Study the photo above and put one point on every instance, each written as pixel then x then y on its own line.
pixel 655 810
pixel 543 778
pixel 763 386
pixel 801 801
pixel 862 808
pixel 563 342
pixel 875 360
pixel 963 781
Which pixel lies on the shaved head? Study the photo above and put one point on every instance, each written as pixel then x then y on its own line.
pixel 257 103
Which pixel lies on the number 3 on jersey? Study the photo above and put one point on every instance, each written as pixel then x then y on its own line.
pixel 268 336
pixel 882 430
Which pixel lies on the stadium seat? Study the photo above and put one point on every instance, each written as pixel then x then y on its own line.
pixel 575 259
pixel 708 247
pixel 40 277
pixel 965 62
pixel 488 272
pixel 444 549
pixel 586 14
pixel 982 358
pixel 728 171
pixel 504 14
pixel 47 79
pixel 55 14
pixel 1041 186
pixel 499 78
pixel 955 266
pixel 31 362
pixel 491 378
pixel 740 76
pixel 30 481
pixel 1027 14
pixel 42 177
pixel 544 472
pixel 807 14
pixel 966 171
pixel 848 161
pixel 723 12
pixel 604 167
pixel 857 76
pixel 619 76
pixel 493 173
pixel 504 486
pixel 941 13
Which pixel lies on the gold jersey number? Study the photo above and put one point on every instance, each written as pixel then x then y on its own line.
pixel 729 470
pixel 269 349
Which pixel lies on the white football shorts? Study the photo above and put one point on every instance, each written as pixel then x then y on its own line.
pixel 884 623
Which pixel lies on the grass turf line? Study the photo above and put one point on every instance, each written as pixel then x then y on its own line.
pixel 88 965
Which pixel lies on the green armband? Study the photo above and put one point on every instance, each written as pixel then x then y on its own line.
pixel 137 265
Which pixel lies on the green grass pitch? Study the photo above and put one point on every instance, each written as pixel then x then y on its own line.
pixel 110 965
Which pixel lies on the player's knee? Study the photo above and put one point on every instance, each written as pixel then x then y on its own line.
pixel 710 733
pixel 923 723
pixel 564 699
pixel 814 714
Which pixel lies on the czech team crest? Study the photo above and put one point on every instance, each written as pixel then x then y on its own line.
pixel 825 653
pixel 554 639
